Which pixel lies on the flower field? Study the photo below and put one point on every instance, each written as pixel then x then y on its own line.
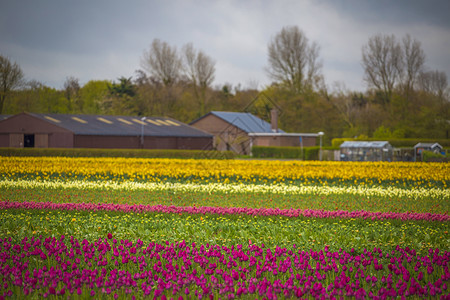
pixel 250 229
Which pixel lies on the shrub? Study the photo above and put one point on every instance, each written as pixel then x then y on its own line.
pixel 309 153
pixel 430 156
pixel 141 153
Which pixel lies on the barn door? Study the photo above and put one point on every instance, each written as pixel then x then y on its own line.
pixel 16 140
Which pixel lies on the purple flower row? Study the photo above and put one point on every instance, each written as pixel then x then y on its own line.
pixel 139 208
pixel 50 266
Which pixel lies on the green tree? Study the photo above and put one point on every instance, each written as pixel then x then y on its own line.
pixel 25 99
pixel 121 98
pixel 382 133
pixel 53 101
pixel 92 95
pixel 11 77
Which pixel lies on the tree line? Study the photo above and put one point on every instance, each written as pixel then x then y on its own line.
pixel 403 98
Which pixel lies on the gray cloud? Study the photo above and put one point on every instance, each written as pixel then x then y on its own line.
pixel 53 39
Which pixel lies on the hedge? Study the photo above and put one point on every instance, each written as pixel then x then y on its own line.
pixel 141 153
pixel 429 156
pixel 397 143
pixel 309 153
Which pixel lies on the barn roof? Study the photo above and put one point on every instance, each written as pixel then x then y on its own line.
pixel 245 121
pixel 121 125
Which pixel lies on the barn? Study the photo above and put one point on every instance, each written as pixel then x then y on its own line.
pixel 240 131
pixel 100 131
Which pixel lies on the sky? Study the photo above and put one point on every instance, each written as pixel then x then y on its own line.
pixel 52 40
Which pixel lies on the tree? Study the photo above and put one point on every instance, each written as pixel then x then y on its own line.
pixel 433 82
pixel 11 77
pixel 346 103
pixel 293 60
pixel 162 62
pixel 92 96
pixel 25 99
pixel 71 90
pixel 121 98
pixel 413 61
pixel 124 88
pixel 382 62
pixel 200 69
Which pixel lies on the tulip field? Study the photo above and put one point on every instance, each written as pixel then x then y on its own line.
pixel 109 228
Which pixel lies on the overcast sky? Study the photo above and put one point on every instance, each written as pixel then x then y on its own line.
pixel 105 39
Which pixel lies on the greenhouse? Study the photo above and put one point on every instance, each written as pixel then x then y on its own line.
pixel 366 151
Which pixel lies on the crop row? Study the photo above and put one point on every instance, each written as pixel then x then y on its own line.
pixel 225 170
pixel 203 225
pixel 39 267
pixel 250 200
pixel 282 189
pixel 312 201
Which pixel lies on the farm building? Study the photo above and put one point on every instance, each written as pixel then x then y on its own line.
pixel 366 151
pixel 95 131
pixel 420 147
pixel 240 131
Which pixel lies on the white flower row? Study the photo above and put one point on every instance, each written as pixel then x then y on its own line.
pixel 284 189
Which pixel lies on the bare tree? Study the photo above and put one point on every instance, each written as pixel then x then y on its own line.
pixel 200 69
pixel 293 60
pixel 433 82
pixel 314 77
pixel 71 90
pixel 414 59
pixel 163 62
pixel 382 62
pixel 11 77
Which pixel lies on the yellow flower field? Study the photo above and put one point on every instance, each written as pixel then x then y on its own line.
pixel 217 170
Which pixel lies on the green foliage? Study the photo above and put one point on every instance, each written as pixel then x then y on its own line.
pixel 382 133
pixel 276 152
pixel 308 153
pixel 142 153
pixel 37 98
pixel 91 97
pixel 430 156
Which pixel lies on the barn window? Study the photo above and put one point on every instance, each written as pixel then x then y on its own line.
pixel 28 140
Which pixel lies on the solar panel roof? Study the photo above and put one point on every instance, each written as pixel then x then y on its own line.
pixel 245 121
pixel 121 125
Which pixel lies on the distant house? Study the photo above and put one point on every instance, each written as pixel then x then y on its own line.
pixel 366 151
pixel 240 131
pixel 99 131
pixel 420 147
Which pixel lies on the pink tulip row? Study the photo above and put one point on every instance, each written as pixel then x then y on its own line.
pixel 41 267
pixel 227 211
